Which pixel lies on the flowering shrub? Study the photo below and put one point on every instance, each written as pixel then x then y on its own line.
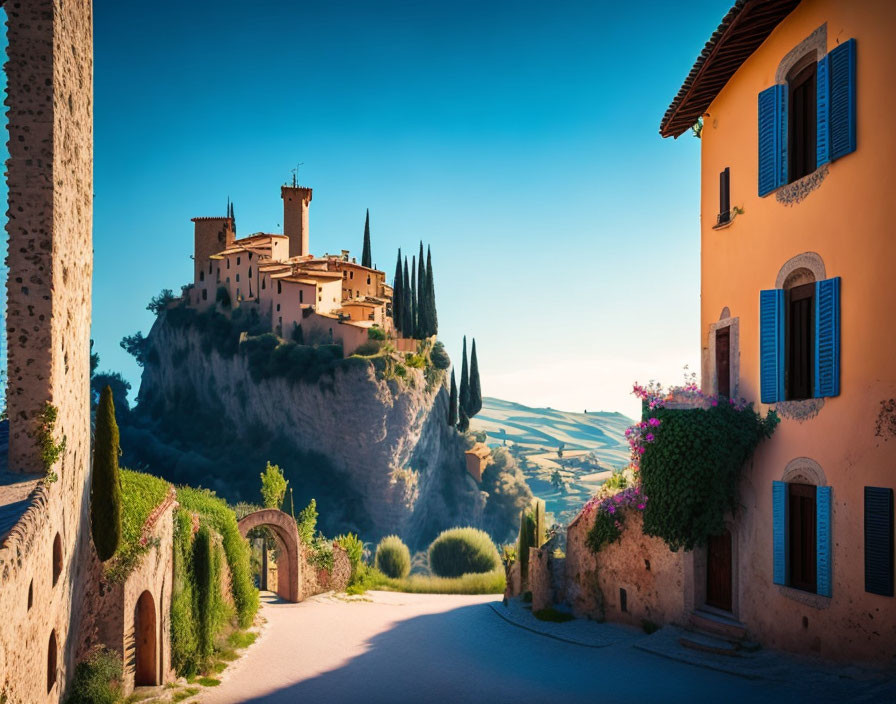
pixel 610 516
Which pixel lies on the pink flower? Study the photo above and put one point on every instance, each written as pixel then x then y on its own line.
pixel 641 450
pixel 715 402
pixel 641 506
pixel 654 422
pixel 650 437
pixel 611 509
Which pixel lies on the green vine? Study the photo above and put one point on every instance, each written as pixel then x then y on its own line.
pixel 50 450
pixel 691 469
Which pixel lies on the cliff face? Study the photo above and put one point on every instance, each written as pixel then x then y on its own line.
pixel 383 442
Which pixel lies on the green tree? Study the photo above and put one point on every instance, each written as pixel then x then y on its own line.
pixel 105 485
pixel 432 314
pixel 136 345
pixel 159 303
pixel 452 402
pixel 415 300
pixel 475 401
pixel 119 385
pixel 94 359
pixel 556 480
pixel 407 306
pixel 398 295
pixel 307 522
pixel 366 258
pixel 422 290
pixel 463 399
pixel 273 486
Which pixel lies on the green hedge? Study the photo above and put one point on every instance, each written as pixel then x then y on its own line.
pixel 97 679
pixel 460 551
pixel 393 558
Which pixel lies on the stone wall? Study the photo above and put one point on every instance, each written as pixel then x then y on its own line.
pixel 316 580
pixel 652 576
pixel 49 174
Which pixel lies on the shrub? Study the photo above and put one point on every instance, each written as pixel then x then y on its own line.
pixel 159 303
pixel 393 558
pixel 368 349
pixel 353 547
pixel 105 487
pixel 553 615
pixel 223 297
pixel 439 357
pixel 273 486
pixel 97 679
pixel 460 551
pixel 415 361
pixel 307 522
pixel 207 590
pixel 376 333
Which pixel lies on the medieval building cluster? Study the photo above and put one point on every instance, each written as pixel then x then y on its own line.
pixel 331 299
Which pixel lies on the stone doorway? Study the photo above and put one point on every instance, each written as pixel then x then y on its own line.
pixel 146 666
pixel 719 571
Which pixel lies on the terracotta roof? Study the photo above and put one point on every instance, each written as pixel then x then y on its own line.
pixel 747 24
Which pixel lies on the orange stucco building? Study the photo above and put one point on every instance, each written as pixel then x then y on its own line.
pixel 333 299
pixel 797 254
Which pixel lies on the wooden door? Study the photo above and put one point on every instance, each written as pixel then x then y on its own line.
pixel 718 571
pixel 723 360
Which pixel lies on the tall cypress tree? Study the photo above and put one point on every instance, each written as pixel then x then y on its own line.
pixel 463 400
pixel 415 300
pixel 452 402
pixel 397 294
pixel 407 309
pixel 475 404
pixel 366 259
pixel 105 484
pixel 422 290
pixel 432 315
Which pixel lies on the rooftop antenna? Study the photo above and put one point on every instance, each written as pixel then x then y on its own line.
pixel 295 173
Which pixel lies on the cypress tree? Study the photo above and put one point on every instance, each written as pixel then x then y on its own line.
pixel 407 310
pixel 452 402
pixel 415 301
pixel 463 400
pixel 397 295
pixel 105 485
pixel 432 315
pixel 475 404
pixel 463 422
pixel 422 290
pixel 366 258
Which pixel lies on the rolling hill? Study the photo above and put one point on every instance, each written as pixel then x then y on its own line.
pixel 583 448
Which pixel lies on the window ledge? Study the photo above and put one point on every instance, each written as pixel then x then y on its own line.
pixel 801 410
pixel 816 601
pixel 723 225
pixel 796 191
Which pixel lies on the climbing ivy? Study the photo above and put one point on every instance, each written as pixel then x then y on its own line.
pixel 50 450
pixel 692 465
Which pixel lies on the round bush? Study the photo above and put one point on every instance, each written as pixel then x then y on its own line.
pixel 460 551
pixel 393 558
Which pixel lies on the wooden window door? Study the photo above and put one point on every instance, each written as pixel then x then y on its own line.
pixel 802 539
pixel 724 196
pixel 803 120
pixel 718 571
pixel 723 361
pixel 800 341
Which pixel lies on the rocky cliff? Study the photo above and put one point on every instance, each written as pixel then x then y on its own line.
pixel 373 449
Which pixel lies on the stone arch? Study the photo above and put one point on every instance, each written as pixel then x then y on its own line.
pixel 283 526
pixel 145 641
pixel 804 470
pixel 799 267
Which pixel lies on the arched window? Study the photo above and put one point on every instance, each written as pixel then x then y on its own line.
pixel 202 276
pixel 368 279
pixel 52 656
pixel 30 594
pixel 57 558
pixel 802 118
pixel 250 272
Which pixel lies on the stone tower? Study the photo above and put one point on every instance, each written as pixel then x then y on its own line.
pixel 210 236
pixel 50 261
pixel 296 201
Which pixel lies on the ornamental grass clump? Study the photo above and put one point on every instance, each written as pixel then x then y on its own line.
pixel 393 558
pixel 460 551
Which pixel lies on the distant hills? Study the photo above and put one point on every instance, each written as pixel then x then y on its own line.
pixel 583 448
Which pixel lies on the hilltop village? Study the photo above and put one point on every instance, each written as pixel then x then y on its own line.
pixel 330 299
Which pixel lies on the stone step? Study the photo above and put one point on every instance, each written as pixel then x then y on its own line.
pixel 709 644
pixel 717 625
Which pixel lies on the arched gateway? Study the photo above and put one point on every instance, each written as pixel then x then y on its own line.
pixel 283 526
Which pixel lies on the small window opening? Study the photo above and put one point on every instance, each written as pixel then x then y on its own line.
pixel 279 287
pixel 799 342
pixel 237 261
pixel 51 661
pixel 801 536
pixel 623 600
pixel 301 296
pixel 250 272
pixel 30 594
pixel 209 267
pixel 264 282
pixel 202 276
pixel 351 275
pixel 725 196
pixel 204 294
pixel 802 121
pixel 57 558
pixel 237 276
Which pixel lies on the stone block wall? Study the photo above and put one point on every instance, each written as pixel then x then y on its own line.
pixel 317 581
pixel 45 559
pixel 652 576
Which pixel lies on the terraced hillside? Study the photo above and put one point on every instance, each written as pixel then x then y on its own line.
pixel 582 448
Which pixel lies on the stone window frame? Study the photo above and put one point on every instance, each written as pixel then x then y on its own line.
pixel 711 376
pixel 805 470
pixel 800 410
pixel 816 43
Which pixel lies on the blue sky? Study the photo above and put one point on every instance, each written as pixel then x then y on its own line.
pixel 518 139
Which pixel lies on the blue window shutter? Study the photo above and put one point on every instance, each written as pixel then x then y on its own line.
pixel 879 540
pixel 823 122
pixel 827 337
pixel 779 531
pixel 771 345
pixel 842 99
pixel 823 539
pixel 772 138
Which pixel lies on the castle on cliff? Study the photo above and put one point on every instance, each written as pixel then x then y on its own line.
pixel 330 299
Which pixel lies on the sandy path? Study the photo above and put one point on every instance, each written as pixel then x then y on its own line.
pixel 432 648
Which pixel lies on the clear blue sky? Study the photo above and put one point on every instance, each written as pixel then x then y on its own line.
pixel 519 139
